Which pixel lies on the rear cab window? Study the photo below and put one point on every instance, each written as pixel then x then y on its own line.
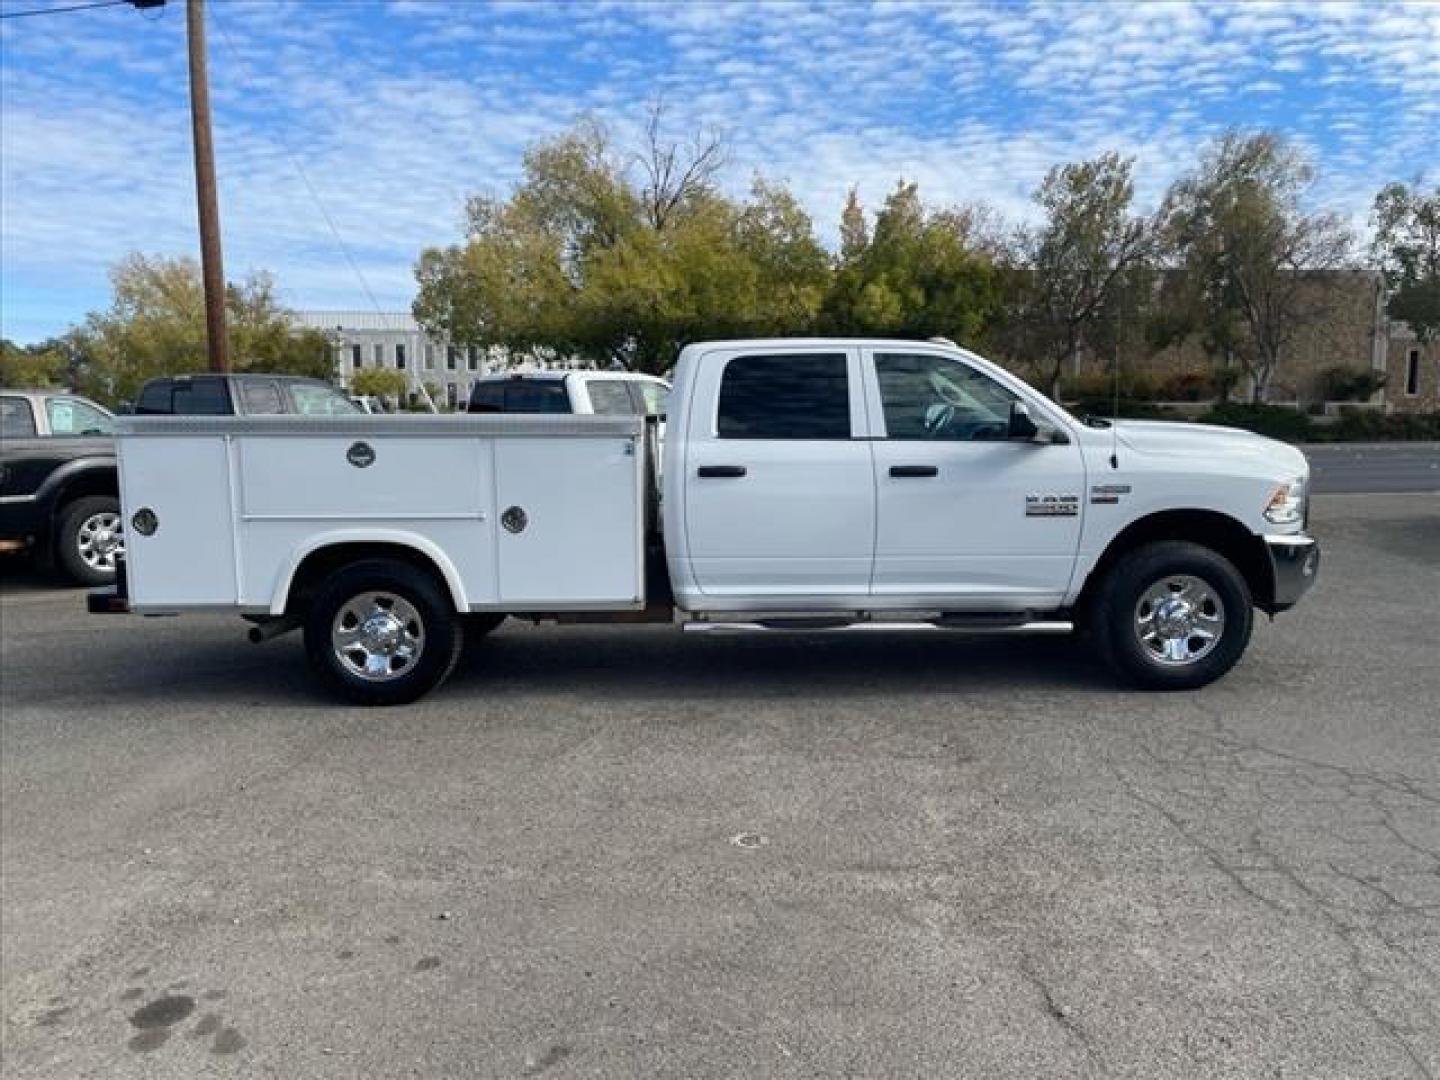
pixel 785 396
pixel 487 397
pixel 17 421
pixel 155 398
pixel 537 396
pixel 185 397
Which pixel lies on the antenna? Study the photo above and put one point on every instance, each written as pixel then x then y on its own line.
pixel 1115 399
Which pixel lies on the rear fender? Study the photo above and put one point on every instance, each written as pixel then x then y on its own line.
pixel 400 538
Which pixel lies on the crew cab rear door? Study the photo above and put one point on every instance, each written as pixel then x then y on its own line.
pixel 965 517
pixel 779 490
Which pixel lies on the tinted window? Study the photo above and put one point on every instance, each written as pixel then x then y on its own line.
pixel 200 397
pixel 936 397
pixel 71 417
pixel 154 398
pixel 261 398
pixel 611 397
pixel 525 396
pixel 317 399
pixel 16 419
pixel 487 397
pixel 785 397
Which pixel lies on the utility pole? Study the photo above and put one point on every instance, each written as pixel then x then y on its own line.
pixel 211 264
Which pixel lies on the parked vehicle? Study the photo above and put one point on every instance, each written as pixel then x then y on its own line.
pixel 811 485
pixel 59 495
pixel 584 393
pixel 243 394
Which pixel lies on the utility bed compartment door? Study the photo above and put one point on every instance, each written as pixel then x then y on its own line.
pixel 569 528
pixel 190 559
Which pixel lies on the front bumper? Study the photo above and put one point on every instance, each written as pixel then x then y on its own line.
pixel 1294 564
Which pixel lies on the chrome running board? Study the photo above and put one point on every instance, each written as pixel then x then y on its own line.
pixel 793 625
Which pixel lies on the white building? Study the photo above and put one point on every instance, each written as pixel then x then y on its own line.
pixel 368 339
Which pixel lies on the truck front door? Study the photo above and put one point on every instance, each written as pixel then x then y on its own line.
pixel 966 517
pixel 779 491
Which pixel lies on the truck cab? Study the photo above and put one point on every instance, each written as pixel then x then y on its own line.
pixel 880 475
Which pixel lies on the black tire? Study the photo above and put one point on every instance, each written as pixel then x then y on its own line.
pixel 1113 622
pixel 76 548
pixel 440 631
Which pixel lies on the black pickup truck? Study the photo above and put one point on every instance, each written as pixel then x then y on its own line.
pixel 59 490
pixel 59 496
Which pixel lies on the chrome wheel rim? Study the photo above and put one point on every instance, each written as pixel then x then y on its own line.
pixel 1179 620
pixel 100 541
pixel 377 636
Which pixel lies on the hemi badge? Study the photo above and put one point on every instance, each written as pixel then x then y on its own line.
pixel 1052 505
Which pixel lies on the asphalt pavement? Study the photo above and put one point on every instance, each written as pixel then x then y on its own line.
pixel 631 852
pixel 1353 468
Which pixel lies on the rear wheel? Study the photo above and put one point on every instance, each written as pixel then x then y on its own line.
pixel 1172 616
pixel 90 540
pixel 382 632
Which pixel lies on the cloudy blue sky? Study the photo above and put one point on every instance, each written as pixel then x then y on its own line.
pixel 394 111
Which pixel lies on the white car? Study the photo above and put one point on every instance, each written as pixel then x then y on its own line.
pixel 811 484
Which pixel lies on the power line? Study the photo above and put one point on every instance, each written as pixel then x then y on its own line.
pixel 294 160
pixel 60 10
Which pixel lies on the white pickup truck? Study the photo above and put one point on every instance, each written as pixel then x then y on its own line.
pixel 809 485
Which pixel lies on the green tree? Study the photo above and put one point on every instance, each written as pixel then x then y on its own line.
pixel 1078 259
pixel 41 365
pixel 155 325
pixel 921 272
pixel 1254 260
pixel 620 260
pixel 379 382
pixel 1406 248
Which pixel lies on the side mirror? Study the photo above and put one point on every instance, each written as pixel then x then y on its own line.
pixel 1021 426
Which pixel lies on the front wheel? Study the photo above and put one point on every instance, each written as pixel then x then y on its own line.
pixel 1172 616
pixel 382 632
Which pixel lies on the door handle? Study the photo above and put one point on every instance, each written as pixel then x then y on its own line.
pixel 720 471
pixel 914 470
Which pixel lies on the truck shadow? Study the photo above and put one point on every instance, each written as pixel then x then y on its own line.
pixel 657 662
pixel 212 665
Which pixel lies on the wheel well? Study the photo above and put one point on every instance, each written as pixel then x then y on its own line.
pixel 322 562
pixel 82 485
pixel 1208 528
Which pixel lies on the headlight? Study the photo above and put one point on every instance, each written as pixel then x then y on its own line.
pixel 1286 505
